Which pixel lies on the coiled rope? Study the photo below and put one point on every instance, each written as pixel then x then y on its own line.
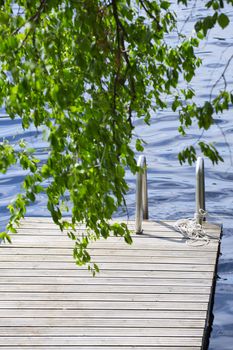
pixel 192 230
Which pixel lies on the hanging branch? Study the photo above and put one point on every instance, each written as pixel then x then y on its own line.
pixel 222 76
pixel 122 52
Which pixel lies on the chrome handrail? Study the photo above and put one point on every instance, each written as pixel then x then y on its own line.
pixel 200 190
pixel 141 194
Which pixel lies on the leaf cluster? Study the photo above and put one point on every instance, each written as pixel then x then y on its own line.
pixel 85 70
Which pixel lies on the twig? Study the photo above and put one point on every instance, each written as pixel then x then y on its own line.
pixel 222 76
pixel 34 17
pixel 147 11
pixel 116 78
pixel 121 33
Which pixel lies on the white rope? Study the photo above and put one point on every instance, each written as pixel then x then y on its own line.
pixel 193 231
pixel 219 216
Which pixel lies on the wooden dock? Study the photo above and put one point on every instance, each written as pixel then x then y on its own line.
pixel 155 294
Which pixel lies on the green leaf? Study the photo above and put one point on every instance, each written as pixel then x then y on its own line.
pixel 223 20
pixel 165 5
pixel 211 152
pixel 139 146
pixel 4 17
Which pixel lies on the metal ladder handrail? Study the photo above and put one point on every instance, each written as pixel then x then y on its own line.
pixel 141 194
pixel 200 189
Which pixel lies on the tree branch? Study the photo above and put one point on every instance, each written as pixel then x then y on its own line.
pixel 34 17
pixel 150 14
pixel 121 33
pixel 222 76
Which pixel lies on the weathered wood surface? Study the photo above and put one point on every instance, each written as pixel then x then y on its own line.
pixel 154 294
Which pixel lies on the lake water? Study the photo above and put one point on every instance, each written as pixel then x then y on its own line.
pixel 172 187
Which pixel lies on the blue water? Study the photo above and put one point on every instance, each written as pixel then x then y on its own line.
pixel 172 187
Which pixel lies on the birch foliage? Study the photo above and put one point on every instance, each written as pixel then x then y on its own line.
pixel 85 70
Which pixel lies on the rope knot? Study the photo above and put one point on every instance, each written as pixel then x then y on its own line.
pixel 192 230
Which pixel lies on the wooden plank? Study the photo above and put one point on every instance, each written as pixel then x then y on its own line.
pixel 10 249
pixel 99 332
pixel 115 242
pixel 134 314
pixel 68 259
pixel 106 295
pixel 98 341
pixel 102 305
pixel 41 347
pixel 42 219
pixel 55 230
pixel 101 322
pixel 149 227
pixel 106 289
pixel 49 234
pixel 52 233
pixel 148 233
pixel 175 246
pixel 159 223
pixel 105 266
pixel 107 273
pixel 106 281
